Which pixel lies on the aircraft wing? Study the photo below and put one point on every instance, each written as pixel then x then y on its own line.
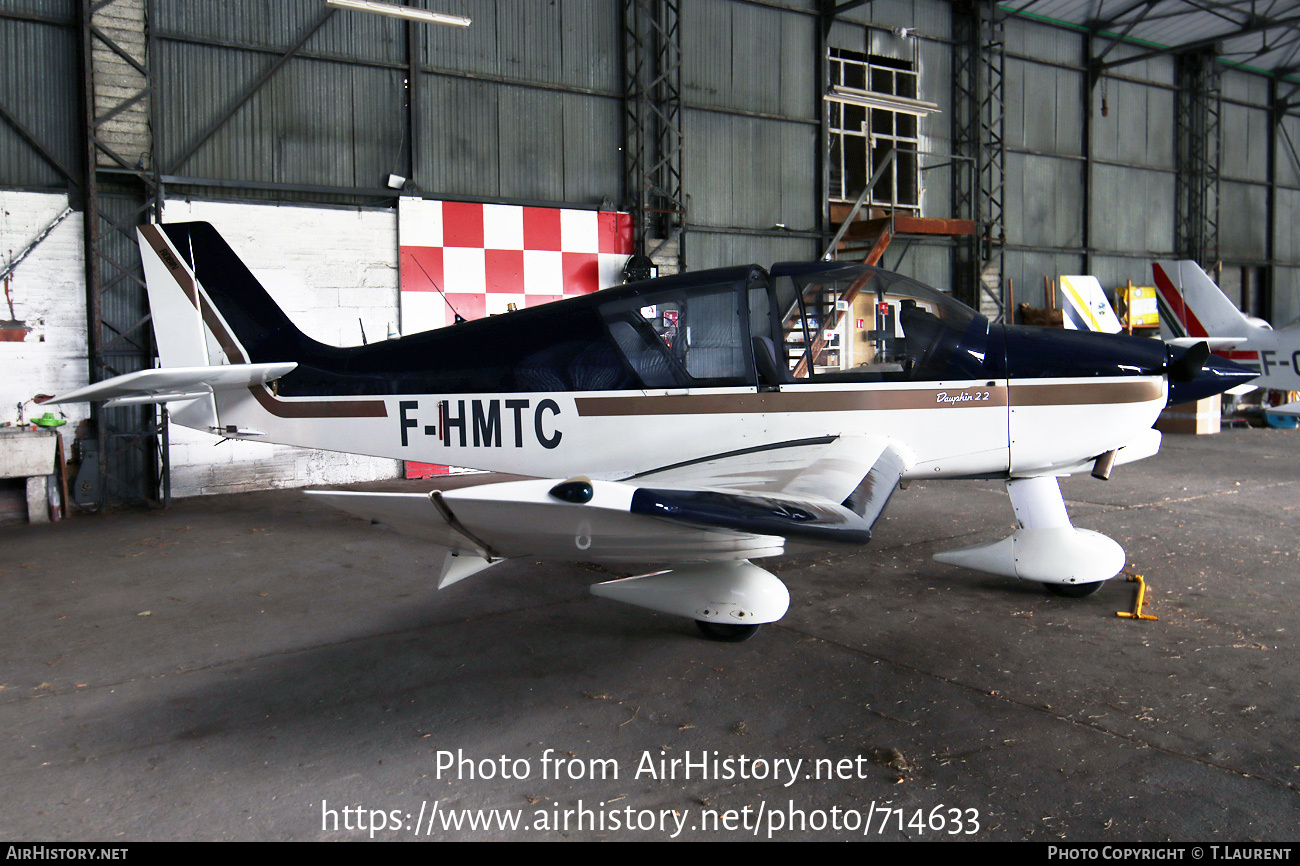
pixel 681 514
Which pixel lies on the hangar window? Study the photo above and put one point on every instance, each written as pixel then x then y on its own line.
pixel 874 108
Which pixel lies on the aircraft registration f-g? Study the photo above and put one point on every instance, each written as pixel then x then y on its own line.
pixel 700 421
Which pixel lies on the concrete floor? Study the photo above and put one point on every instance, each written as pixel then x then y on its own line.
pixel 259 666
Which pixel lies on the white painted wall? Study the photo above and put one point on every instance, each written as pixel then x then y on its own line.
pixel 327 267
pixel 331 270
pixel 47 294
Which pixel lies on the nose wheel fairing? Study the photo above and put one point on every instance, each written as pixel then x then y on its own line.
pixel 1045 547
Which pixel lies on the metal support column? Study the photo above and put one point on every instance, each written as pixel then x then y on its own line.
pixel 1199 141
pixel 979 64
pixel 653 130
pixel 122 191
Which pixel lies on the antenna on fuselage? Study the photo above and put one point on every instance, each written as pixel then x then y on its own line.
pixel 454 311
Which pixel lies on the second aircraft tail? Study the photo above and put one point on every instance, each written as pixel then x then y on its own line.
pixel 1193 307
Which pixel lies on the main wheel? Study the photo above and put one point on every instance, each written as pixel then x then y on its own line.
pixel 725 631
pixel 1073 590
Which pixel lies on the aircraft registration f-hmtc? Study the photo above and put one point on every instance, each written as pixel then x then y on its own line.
pixel 699 421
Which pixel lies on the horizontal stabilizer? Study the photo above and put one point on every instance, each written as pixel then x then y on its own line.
pixel 1292 408
pixel 170 384
pixel 1215 343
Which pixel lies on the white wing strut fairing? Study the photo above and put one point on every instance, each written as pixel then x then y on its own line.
pixel 696 421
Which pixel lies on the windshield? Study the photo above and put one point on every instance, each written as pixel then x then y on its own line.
pixel 840 322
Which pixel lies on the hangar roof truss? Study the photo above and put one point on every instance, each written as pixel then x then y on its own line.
pixel 1263 35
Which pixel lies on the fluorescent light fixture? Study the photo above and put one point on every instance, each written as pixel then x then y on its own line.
pixel 880 100
pixel 408 12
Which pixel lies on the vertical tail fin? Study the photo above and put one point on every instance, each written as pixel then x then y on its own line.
pixel 208 346
pixel 174 303
pixel 199 287
pixel 209 311
pixel 1191 305
pixel 1086 307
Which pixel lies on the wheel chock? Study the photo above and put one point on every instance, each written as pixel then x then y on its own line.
pixel 1138 602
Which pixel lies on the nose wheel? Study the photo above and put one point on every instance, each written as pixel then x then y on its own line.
pixel 1074 590
pixel 726 632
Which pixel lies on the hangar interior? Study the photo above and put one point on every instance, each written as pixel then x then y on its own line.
pixel 1055 137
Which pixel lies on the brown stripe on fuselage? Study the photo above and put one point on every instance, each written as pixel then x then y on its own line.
pixel 794 401
pixel 1084 392
pixel 235 352
pixel 319 408
pixel 1022 393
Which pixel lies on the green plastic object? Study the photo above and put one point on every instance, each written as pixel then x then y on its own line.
pixel 48 420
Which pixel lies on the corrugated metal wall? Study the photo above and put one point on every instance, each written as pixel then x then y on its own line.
pixel 39 86
pixel 333 116
pixel 1117 182
pixel 1244 173
pixel 527 105
pixel 750 129
pixel 1088 191
pixel 1286 293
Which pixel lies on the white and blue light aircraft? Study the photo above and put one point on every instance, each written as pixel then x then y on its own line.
pixel 701 421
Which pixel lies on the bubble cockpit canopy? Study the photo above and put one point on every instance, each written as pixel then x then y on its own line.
pixel 852 322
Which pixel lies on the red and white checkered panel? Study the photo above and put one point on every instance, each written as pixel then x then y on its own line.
pixel 476 259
